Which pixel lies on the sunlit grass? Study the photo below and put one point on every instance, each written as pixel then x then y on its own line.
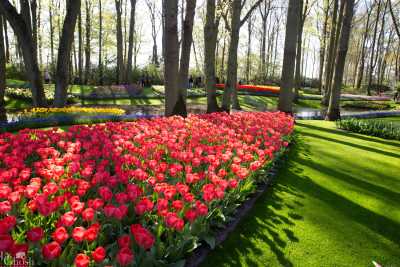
pixel 334 203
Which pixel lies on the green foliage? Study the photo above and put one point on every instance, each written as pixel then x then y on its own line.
pixel 380 88
pixel 397 87
pixel 379 128
pixel 14 72
pixel 154 73
pixel 371 105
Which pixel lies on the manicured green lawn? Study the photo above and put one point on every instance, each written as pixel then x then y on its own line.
pixel 335 202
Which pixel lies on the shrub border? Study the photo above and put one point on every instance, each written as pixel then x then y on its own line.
pixel 381 129
pixel 56 121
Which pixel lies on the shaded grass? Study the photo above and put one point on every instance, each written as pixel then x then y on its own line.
pixel 335 203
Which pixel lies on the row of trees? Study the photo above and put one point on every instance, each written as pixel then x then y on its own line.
pixel 372 51
pixel 25 20
pixel 339 37
pixel 176 52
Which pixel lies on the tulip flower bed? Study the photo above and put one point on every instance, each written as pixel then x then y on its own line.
pixel 141 193
pixel 254 88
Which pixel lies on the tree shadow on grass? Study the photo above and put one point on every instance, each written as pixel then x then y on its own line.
pixel 349 134
pixel 267 228
pixel 365 148
pixel 268 223
pixel 377 223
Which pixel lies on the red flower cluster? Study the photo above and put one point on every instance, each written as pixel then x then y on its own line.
pixel 254 88
pixel 127 187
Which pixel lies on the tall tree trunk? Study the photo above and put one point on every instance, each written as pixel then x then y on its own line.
pixel 136 48
pixel 34 25
pixel 231 80
pixel 222 67
pixel 80 48
pixel 187 39
pixel 131 39
pixel 164 37
pixel 264 12
pixel 124 38
pixel 230 93
pixel 248 56
pixel 2 72
pixel 39 33
pixel 360 74
pixel 297 75
pixel 64 52
pixel 274 65
pixel 329 68
pixel 397 65
pixel 75 60
pixel 174 102
pixel 289 57
pixel 51 6
pixel 372 62
pixel 210 43
pixel 334 102
pixel 101 43
pixel 380 45
pixel 195 57
pixel 88 48
pixel 120 43
pixel 394 19
pixel 152 9
pixel 24 35
pixel 322 54
pixel 7 43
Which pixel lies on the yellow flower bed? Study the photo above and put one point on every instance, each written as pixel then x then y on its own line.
pixel 115 111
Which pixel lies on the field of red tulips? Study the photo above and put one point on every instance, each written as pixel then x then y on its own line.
pixel 143 193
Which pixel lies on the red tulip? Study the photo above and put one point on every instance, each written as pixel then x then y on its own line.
pixel 191 215
pixel 88 214
pixel 77 207
pixel 99 254
pixel 5 206
pixel 78 234
pixel 6 242
pixel 124 241
pixel 142 236
pixel 68 219
pixel 91 234
pixel 173 221
pixel 60 235
pixel 16 249
pixel 51 251
pixel 35 234
pixel 82 260
pixel 125 256
pixel 144 205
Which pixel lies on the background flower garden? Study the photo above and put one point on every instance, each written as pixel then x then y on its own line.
pixel 144 192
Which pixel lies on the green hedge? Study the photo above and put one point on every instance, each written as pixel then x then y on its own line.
pixel 370 105
pixel 378 128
